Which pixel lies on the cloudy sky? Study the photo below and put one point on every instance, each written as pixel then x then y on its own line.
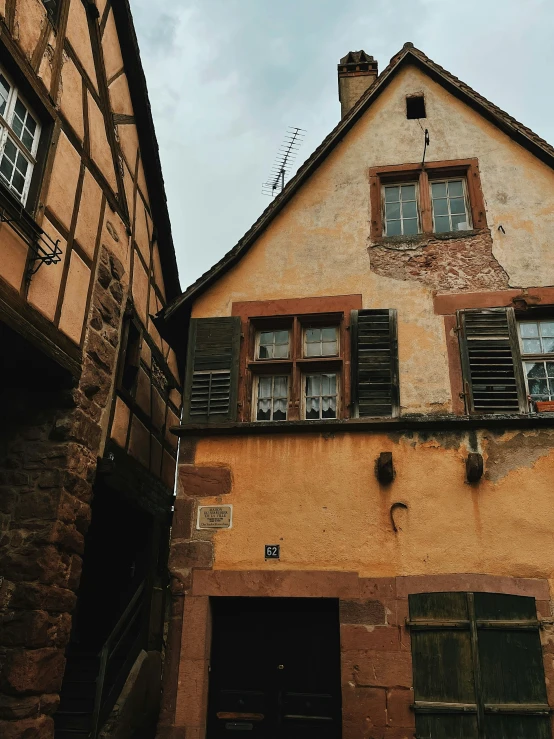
pixel 227 77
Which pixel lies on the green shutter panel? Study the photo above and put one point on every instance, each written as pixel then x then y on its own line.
pixel 212 370
pixel 375 388
pixel 491 365
pixel 445 695
pixel 478 667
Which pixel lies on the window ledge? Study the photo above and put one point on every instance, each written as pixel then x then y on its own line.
pixel 352 425
pixel 407 241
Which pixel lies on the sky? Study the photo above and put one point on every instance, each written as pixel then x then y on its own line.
pixel 226 79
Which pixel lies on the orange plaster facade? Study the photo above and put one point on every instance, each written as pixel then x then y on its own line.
pixel 313 487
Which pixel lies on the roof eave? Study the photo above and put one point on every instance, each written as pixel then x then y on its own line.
pixel 148 144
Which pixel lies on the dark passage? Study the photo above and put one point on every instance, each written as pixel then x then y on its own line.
pixel 275 668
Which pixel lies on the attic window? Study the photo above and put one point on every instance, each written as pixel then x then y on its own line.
pixel 415 107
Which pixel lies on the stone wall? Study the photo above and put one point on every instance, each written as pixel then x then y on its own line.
pixel 48 455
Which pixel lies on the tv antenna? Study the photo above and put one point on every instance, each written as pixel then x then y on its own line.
pixel 283 161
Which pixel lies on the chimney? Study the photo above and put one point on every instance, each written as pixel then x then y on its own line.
pixel 357 71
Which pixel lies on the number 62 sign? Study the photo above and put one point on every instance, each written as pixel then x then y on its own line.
pixel 272 551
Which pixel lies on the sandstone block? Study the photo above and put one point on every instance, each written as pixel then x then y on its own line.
pixel 379 638
pixel 28 728
pixel 204 481
pixel 16 706
pixel 399 711
pixel 39 596
pixel 188 554
pixel 368 612
pixel 33 670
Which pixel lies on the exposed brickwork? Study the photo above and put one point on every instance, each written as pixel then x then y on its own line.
pixel 48 455
pixel 446 263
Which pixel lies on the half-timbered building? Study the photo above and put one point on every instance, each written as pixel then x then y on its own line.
pixel 89 387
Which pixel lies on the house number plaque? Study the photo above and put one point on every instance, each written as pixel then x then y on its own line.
pixel 214 517
pixel 272 551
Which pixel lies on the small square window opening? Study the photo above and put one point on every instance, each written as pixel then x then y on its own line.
pixel 321 342
pixel 450 211
pixel 320 396
pixel 415 107
pixel 271 397
pixel 537 341
pixel 53 8
pixel 273 345
pixel 401 212
pixel 131 358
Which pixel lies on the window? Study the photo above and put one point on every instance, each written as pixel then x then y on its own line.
pixel 442 197
pixel 537 350
pixel 320 396
pixel 295 368
pixel 415 107
pixel 53 8
pixel 401 215
pixel 477 666
pixel 19 138
pixel 272 398
pixel 337 364
pixel 273 344
pixel 450 212
pixel 321 342
pixel 130 358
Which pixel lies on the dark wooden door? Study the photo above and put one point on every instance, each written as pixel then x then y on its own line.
pixel 275 669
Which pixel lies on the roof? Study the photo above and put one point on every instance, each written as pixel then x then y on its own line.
pixel 407 55
pixel 148 144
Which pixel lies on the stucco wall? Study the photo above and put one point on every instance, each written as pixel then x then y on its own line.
pixel 319 244
pixel 318 496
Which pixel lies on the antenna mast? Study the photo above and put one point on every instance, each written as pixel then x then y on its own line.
pixel 283 161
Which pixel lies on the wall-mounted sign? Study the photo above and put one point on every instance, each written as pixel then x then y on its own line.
pixel 272 551
pixel 214 517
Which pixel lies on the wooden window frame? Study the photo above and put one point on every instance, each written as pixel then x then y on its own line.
pixel 400 184
pixel 423 175
pixel 7 133
pixel 131 323
pixel 255 392
pixel 303 376
pixel 297 365
pixel 283 312
pixel 532 357
pixel 465 196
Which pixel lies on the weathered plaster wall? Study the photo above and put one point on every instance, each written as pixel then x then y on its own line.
pixel 322 246
pixel 317 495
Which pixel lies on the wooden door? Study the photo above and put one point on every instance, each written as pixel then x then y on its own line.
pixel 275 669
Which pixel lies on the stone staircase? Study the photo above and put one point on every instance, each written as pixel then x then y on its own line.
pixel 73 719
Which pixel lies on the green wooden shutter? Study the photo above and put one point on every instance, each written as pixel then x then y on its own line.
pixel 478 669
pixel 212 370
pixel 375 387
pixel 491 366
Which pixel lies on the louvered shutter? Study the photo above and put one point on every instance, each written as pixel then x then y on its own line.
pixel 375 390
pixel 212 370
pixel 491 366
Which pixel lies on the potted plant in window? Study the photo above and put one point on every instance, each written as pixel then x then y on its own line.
pixel 544 406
